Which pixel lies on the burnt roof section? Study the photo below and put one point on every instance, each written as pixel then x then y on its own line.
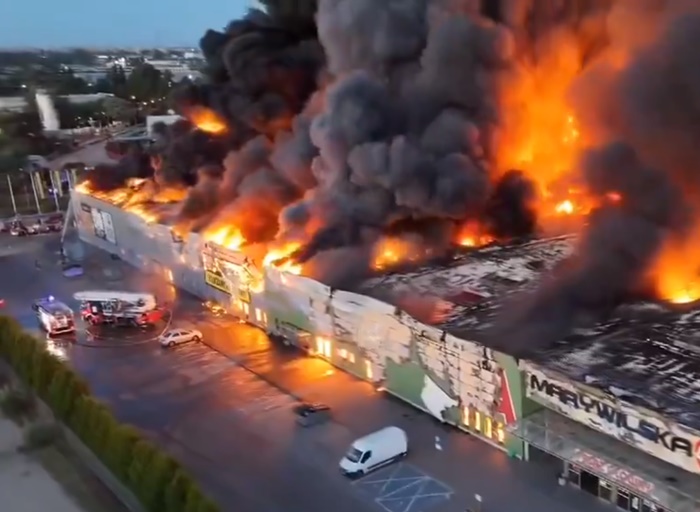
pixel 473 285
pixel 648 356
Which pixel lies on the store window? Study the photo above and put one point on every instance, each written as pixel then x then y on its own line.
pixel 258 316
pixel 344 353
pixel 605 490
pixel 635 503
pixel 574 475
pixel 488 427
pixel 324 347
pixel 623 499
pixel 500 433
pixel 465 416
pixel 477 421
pixel 648 506
pixel 368 369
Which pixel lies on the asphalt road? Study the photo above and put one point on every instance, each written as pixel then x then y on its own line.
pixel 224 410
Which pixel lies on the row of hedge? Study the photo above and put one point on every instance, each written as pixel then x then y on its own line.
pixel 156 479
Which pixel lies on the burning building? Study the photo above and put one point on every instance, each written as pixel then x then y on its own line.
pixel 384 184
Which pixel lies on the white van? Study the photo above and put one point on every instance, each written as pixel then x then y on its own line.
pixel 374 451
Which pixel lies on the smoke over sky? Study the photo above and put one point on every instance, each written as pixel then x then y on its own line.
pixel 348 120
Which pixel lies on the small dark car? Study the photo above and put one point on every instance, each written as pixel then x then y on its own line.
pixel 309 415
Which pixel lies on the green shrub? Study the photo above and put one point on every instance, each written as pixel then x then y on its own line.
pixel 57 389
pixel 160 471
pixel 176 492
pixel 118 450
pixel 27 346
pixel 94 424
pixel 104 425
pixel 207 506
pixel 9 341
pixel 79 416
pixel 74 387
pixel 5 380
pixel 44 368
pixel 193 499
pixel 41 435
pixel 17 404
pixel 141 456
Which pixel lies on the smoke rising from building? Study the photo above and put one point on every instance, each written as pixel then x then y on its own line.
pixel 344 122
pixel 640 106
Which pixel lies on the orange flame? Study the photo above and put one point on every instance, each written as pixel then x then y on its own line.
pixel 207 120
pixel 541 133
pixel 279 258
pixel 676 272
pixel 135 197
pixel 390 252
pixel 472 235
pixel 228 236
pixel 143 212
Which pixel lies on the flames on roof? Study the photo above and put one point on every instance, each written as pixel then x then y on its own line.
pixel 456 127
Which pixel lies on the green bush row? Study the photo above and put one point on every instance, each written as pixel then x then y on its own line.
pixel 153 476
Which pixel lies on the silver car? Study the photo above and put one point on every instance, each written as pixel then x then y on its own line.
pixel 179 336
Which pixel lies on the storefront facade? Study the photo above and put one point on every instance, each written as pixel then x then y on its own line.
pixel 238 281
pixel 623 455
pixel 459 382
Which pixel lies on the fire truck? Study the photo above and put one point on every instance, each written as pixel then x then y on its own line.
pixel 119 308
pixel 54 316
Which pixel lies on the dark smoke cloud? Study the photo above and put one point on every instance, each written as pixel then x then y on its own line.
pixel 182 150
pixel 136 163
pixel 353 119
pixel 652 106
pixel 262 70
pixel 406 126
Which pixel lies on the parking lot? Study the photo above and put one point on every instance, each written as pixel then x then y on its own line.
pixel 227 414
pixel 404 488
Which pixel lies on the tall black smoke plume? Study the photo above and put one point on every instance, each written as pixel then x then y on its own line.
pixel 644 122
pixel 347 120
pixel 400 129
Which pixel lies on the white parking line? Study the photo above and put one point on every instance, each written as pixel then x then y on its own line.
pixel 404 488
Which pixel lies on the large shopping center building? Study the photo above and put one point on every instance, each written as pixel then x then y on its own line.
pixel 621 409
pixel 617 408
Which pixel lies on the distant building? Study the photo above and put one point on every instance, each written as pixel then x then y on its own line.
pixel 168 120
pixel 19 103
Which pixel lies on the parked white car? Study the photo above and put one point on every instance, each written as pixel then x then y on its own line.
pixel 179 336
pixel 374 451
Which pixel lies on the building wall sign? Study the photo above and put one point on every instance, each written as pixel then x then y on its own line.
pixel 216 280
pixel 617 474
pixel 661 439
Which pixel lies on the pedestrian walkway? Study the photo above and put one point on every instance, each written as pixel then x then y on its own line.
pixel 25 486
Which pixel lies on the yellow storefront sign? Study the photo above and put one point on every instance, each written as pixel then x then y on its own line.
pixel 215 280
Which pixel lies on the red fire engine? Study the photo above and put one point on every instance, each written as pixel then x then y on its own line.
pixel 119 308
